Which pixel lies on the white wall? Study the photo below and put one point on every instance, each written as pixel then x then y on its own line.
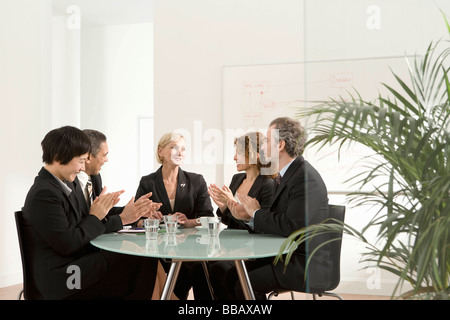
pixel 116 91
pixel 25 100
pixel 195 39
pixel 344 29
pixel 43 62
pixel 66 108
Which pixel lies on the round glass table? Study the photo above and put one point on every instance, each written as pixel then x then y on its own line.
pixel 195 244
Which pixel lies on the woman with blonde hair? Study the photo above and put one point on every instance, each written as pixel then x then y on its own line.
pixel 181 193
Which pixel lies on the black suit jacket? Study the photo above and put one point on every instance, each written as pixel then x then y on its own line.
pixel 261 190
pixel 112 221
pixel 191 198
pixel 58 234
pixel 300 200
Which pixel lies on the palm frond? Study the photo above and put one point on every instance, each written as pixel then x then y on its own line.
pixel 408 131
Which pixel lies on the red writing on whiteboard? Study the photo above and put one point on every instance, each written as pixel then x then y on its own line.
pixel 253 116
pixel 341 80
pixel 256 86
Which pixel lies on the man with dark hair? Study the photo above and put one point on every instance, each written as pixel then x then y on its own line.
pixel 300 199
pixel 91 184
pixel 57 232
pixel 97 138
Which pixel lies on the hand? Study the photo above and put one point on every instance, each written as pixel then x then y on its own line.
pixel 220 196
pixel 156 214
pixel 104 202
pixel 182 219
pixel 250 204
pixel 135 210
pixel 238 211
pixel 152 214
pixel 153 207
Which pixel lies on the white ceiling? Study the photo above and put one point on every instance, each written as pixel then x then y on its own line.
pixel 107 12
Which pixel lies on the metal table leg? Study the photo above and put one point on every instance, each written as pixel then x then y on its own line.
pixel 244 280
pixel 205 270
pixel 171 279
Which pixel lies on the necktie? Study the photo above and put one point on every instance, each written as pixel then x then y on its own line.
pixel 277 182
pixel 88 193
pixel 278 178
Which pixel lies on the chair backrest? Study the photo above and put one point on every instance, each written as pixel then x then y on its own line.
pixel 338 213
pixel 30 291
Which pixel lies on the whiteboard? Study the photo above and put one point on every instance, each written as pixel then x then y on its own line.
pixel 255 95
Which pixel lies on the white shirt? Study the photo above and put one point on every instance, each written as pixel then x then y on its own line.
pixel 84 178
pixel 285 168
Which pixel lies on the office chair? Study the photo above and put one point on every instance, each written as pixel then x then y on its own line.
pixel 29 291
pixel 338 213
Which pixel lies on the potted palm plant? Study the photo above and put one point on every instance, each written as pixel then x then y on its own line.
pixel 408 131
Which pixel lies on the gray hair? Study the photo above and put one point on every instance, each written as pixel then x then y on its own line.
pixel 97 138
pixel 293 134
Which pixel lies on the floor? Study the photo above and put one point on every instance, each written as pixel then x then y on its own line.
pixel 12 292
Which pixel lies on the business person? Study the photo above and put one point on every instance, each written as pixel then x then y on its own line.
pixel 181 193
pixel 91 185
pixel 300 199
pixel 90 182
pixel 58 232
pixel 249 181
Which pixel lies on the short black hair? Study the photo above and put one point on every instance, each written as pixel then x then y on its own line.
pixel 64 144
pixel 96 138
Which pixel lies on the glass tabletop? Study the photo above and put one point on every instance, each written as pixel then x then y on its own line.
pixel 194 244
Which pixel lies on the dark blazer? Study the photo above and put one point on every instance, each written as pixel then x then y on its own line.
pixel 301 199
pixel 191 198
pixel 261 190
pixel 57 233
pixel 112 221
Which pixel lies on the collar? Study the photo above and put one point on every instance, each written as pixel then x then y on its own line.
pixel 62 184
pixel 285 168
pixel 84 178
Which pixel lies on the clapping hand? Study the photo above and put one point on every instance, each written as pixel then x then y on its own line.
pixel 143 207
pixel 244 210
pixel 104 202
pixel 220 196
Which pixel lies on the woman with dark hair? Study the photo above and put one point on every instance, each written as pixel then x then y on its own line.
pixel 256 180
pixel 300 200
pixel 57 232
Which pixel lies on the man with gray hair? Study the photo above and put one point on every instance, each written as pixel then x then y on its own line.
pixel 300 199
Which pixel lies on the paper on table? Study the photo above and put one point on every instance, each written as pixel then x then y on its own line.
pixel 131 230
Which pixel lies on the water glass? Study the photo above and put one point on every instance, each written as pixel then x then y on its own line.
pixel 213 226
pixel 171 223
pixel 151 228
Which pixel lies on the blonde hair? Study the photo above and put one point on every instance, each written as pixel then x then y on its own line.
pixel 165 140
